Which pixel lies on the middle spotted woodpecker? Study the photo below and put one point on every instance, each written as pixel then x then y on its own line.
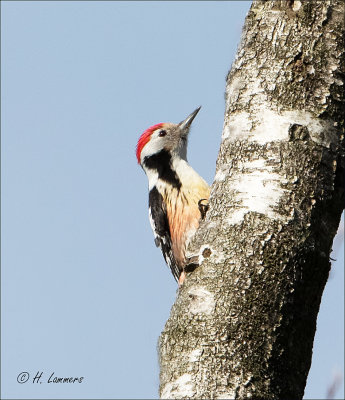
pixel 177 194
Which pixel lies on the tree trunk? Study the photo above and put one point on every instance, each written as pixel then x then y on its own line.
pixel 244 321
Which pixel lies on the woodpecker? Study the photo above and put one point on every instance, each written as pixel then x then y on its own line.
pixel 178 196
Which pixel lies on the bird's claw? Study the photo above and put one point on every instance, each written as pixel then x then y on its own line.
pixel 203 208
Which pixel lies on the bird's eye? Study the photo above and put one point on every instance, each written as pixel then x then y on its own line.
pixel 162 133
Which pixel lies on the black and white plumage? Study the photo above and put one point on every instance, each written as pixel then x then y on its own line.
pixel 160 226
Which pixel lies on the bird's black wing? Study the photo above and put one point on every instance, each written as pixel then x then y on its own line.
pixel 160 226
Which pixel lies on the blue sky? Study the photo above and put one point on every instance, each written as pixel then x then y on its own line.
pixel 84 290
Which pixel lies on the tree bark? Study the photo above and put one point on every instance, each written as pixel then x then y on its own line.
pixel 243 323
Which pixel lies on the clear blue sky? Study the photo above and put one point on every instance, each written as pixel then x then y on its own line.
pixel 84 290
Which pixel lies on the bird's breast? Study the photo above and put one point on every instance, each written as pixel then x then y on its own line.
pixel 184 215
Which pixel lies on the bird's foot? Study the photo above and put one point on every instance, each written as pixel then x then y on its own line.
pixel 203 208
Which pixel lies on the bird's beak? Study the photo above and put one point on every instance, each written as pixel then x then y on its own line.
pixel 185 125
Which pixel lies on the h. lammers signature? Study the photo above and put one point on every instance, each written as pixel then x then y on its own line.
pixel 24 377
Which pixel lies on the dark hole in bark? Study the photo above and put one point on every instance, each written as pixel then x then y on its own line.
pixel 206 253
pixel 298 132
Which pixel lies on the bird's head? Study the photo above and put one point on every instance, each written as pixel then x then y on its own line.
pixel 165 136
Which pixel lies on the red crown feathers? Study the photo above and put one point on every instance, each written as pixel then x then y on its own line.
pixel 144 138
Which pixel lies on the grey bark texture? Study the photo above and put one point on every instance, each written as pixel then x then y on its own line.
pixel 243 323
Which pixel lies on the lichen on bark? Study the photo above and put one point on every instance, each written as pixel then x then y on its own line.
pixel 244 321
